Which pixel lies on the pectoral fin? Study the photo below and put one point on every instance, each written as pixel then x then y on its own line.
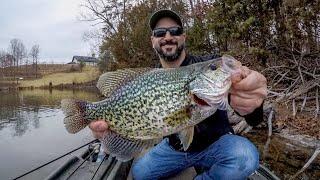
pixel 186 137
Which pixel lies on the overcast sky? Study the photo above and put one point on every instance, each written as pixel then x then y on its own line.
pixel 53 24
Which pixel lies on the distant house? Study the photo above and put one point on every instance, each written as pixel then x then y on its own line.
pixel 86 59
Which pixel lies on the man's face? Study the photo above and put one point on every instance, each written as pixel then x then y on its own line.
pixel 168 46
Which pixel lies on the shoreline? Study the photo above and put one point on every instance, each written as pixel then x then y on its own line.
pixel 91 85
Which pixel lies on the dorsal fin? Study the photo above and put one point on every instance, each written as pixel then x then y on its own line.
pixel 111 81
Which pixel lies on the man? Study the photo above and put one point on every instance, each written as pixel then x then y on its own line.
pixel 215 148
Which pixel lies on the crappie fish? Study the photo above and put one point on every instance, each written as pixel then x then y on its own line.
pixel 145 104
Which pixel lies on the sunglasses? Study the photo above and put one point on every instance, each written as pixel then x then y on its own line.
pixel 161 32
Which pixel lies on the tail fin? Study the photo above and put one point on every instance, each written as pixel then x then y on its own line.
pixel 74 111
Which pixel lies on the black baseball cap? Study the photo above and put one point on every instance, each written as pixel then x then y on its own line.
pixel 164 13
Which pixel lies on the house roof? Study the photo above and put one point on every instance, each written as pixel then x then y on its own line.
pixel 84 59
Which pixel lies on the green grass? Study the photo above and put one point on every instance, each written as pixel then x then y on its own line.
pixel 88 74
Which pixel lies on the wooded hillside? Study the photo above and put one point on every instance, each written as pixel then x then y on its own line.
pixel 265 29
pixel 280 38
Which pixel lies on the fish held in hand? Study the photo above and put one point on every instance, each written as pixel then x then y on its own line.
pixel 145 104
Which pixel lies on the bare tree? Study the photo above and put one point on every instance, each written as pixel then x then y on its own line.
pixel 2 58
pixel 94 38
pixel 2 62
pixel 26 63
pixel 106 12
pixel 18 51
pixel 191 3
pixel 34 54
pixel 6 63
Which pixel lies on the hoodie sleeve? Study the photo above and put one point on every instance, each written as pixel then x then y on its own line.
pixel 256 117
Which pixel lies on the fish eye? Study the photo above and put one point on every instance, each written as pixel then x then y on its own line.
pixel 213 67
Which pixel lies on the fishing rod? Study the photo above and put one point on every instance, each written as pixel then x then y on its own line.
pixel 96 140
pixel 104 158
pixel 83 161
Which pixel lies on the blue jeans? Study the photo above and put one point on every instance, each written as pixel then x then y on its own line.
pixel 230 157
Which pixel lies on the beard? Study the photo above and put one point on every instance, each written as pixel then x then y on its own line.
pixel 170 57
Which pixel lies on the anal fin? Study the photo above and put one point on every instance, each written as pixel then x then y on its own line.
pixel 123 148
pixel 186 137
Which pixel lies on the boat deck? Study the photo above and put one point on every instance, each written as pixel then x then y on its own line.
pixel 84 168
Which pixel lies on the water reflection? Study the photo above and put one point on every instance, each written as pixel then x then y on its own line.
pixel 20 110
pixel 32 130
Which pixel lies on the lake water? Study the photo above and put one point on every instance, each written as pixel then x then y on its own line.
pixel 32 133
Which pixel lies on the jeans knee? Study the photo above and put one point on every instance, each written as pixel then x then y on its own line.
pixel 138 172
pixel 233 157
pixel 246 155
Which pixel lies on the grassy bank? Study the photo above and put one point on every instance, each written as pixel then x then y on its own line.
pixel 88 74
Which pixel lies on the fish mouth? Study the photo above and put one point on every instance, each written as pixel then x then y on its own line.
pixel 199 101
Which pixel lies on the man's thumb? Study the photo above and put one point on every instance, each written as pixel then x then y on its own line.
pixel 236 77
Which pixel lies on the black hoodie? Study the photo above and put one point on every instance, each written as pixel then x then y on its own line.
pixel 212 128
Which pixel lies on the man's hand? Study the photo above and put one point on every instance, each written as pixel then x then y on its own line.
pixel 248 90
pixel 99 128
